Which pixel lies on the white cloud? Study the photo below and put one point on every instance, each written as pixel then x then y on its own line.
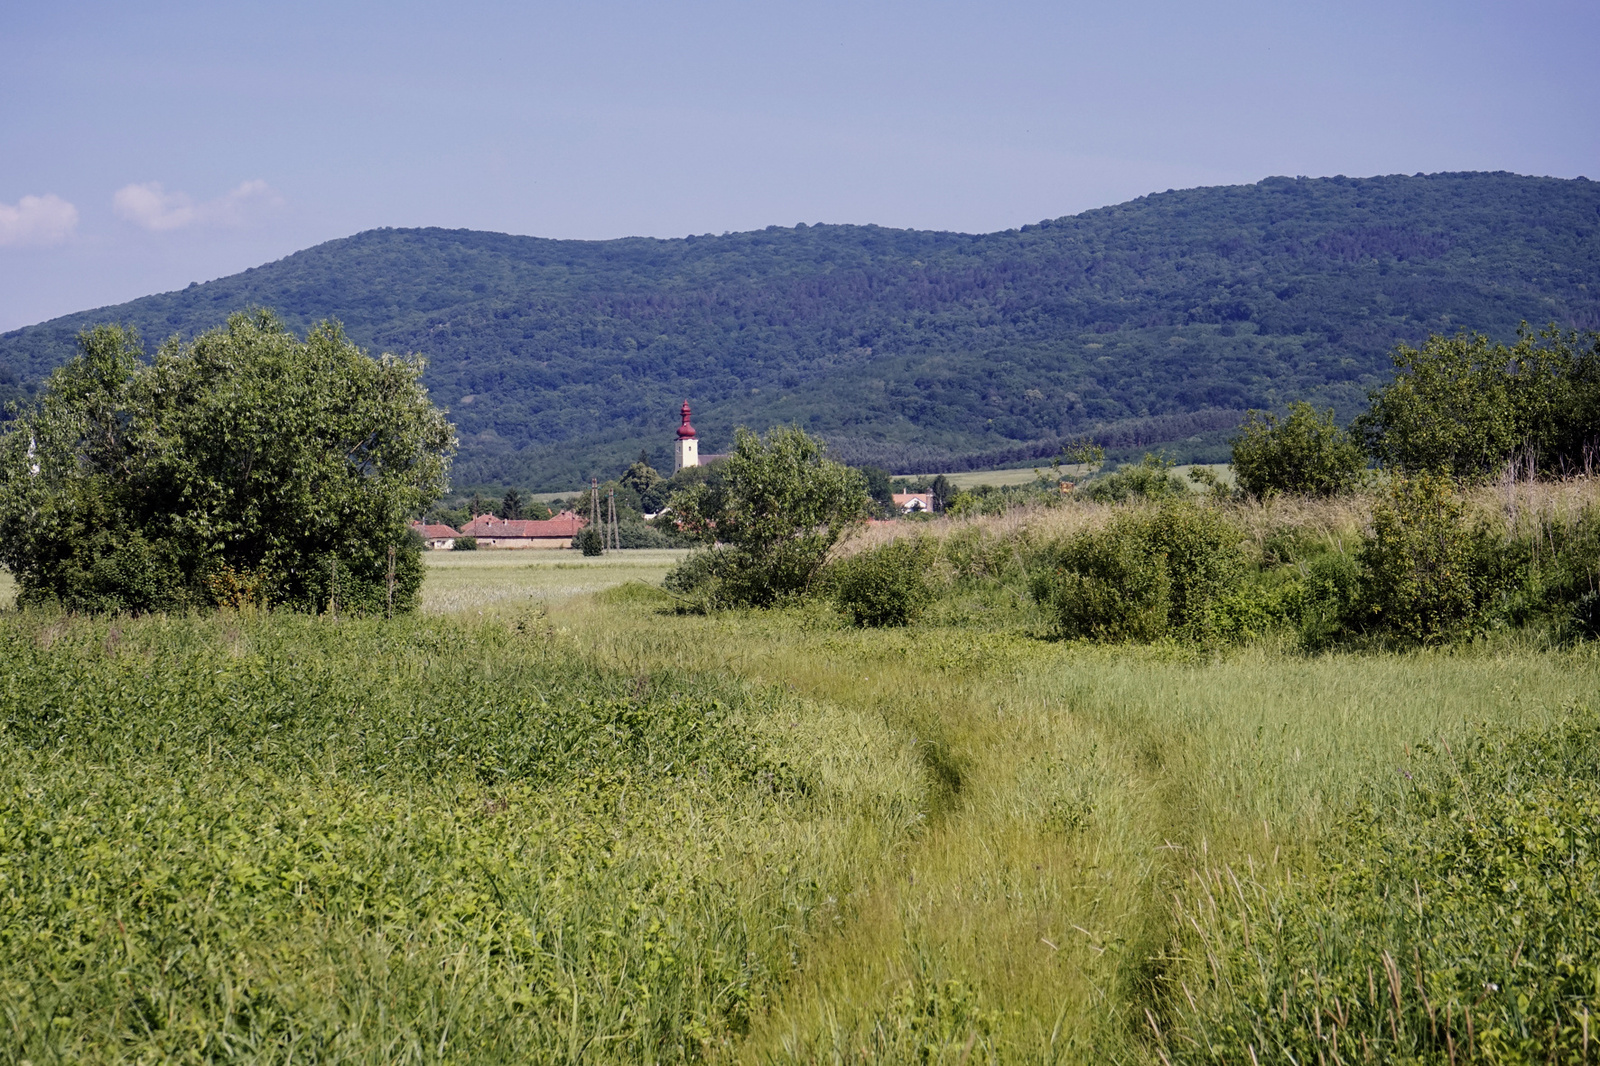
pixel 151 206
pixel 44 219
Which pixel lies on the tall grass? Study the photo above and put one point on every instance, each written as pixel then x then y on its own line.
pixel 1071 790
pixel 549 824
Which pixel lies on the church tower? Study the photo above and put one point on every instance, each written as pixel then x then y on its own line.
pixel 687 452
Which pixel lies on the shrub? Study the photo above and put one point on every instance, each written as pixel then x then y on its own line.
pixel 701 581
pixel 1329 599
pixel 1416 566
pixel 1107 586
pixel 1151 479
pixel 778 505
pixel 887 586
pixel 590 541
pixel 1305 454
pixel 466 544
pixel 1146 574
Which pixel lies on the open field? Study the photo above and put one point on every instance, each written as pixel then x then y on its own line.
pixel 467 581
pixel 549 820
pixel 967 479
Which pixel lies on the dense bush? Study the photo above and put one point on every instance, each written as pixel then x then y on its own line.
pixel 1452 922
pixel 1145 575
pixel 1149 479
pixel 1466 405
pixel 1107 585
pixel 466 544
pixel 590 541
pixel 886 586
pixel 1304 454
pixel 148 486
pixel 770 515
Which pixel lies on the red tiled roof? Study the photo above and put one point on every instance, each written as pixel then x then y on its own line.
pixel 565 524
pixel 434 531
pixel 904 499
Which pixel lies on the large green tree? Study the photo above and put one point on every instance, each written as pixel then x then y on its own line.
pixel 1466 405
pixel 247 467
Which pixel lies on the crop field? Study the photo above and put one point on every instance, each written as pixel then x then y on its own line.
pixel 968 479
pixel 548 819
pixel 474 581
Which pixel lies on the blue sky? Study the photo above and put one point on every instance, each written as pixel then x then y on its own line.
pixel 146 146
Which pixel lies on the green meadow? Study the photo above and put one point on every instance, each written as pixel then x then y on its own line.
pixel 550 819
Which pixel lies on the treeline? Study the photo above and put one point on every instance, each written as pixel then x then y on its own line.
pixel 1426 565
pixel 918 351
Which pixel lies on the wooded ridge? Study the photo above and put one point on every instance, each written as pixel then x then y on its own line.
pixel 1154 322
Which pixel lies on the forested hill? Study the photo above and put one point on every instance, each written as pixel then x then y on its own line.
pixel 1154 322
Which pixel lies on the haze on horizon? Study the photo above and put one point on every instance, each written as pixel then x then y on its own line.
pixel 147 148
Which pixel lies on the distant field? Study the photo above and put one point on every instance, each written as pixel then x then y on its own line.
pixel 467 581
pixel 968 479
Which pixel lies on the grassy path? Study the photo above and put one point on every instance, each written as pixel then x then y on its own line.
pixel 1069 791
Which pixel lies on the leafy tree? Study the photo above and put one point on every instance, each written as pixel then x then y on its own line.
pixel 777 507
pixel 511 505
pixel 943 492
pixel 1306 454
pixel 880 488
pixel 641 477
pixel 1466 405
pixel 249 466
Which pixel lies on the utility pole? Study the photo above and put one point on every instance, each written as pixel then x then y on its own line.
pixel 594 505
pixel 613 534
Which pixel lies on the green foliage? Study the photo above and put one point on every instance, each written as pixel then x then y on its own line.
pixel 1306 454
pixel 777 506
pixel 881 489
pixel 1454 922
pixel 886 586
pixel 1150 479
pixel 590 541
pixel 1417 566
pixel 130 484
pixel 274 838
pixel 647 485
pixel 1140 324
pixel 1106 585
pixel 1467 405
pixel 1145 575
pixel 511 506
pixel 466 544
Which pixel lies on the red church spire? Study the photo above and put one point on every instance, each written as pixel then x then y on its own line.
pixel 685 431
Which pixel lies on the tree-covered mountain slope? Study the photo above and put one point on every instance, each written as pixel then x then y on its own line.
pixel 1151 322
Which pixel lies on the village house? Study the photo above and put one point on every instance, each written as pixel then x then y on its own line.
pixel 557 532
pixel 436 536
pixel 914 502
